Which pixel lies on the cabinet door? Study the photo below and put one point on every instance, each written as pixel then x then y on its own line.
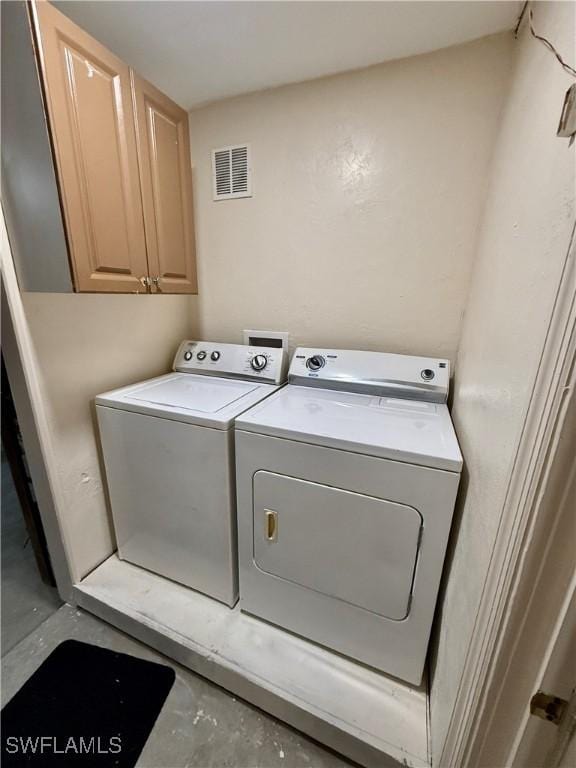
pixel 166 180
pixel 92 125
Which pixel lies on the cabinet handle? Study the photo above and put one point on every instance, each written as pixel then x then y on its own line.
pixel 271 524
pixel 156 282
pixel 145 280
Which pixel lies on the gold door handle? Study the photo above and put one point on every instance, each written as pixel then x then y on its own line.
pixel 156 282
pixel 145 280
pixel 271 520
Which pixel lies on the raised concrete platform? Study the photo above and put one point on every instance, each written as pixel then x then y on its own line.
pixel 373 719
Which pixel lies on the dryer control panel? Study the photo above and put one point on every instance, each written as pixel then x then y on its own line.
pixel 238 361
pixel 377 373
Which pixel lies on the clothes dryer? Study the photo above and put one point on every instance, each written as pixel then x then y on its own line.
pixel 347 479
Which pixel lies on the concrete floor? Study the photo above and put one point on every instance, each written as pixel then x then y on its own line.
pixel 26 600
pixel 200 726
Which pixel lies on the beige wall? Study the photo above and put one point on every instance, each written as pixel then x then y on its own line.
pixel 524 239
pixel 86 344
pixel 368 188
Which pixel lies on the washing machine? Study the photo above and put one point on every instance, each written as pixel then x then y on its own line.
pixel 346 482
pixel 168 450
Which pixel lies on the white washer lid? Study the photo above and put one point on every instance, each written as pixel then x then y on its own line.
pixel 204 400
pixel 404 430
pixel 194 393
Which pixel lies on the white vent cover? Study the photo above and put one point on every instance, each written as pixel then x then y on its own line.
pixel 231 172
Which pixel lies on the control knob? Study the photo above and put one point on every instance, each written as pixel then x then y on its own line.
pixel 315 362
pixel 201 355
pixel 187 355
pixel 215 355
pixel 259 362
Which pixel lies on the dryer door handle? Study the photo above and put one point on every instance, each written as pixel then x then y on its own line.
pixel 271 523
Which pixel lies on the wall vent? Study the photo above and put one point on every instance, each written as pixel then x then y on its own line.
pixel 231 172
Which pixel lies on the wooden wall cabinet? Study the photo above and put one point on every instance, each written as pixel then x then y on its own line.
pixel 166 181
pixel 122 164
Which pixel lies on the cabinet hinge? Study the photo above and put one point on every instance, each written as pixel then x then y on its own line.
pixel 548 707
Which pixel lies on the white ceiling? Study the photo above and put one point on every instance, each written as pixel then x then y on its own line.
pixel 203 51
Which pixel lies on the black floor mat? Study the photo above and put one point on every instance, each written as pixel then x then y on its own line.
pixel 84 706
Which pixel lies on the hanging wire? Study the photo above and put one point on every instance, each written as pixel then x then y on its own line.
pixel 543 40
pixel 548 44
pixel 520 18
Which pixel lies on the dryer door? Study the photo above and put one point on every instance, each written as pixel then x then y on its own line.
pixel 353 547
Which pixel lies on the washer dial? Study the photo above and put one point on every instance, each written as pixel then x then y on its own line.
pixel 259 362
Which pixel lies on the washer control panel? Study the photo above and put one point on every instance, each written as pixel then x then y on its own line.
pixel 378 373
pixel 237 361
